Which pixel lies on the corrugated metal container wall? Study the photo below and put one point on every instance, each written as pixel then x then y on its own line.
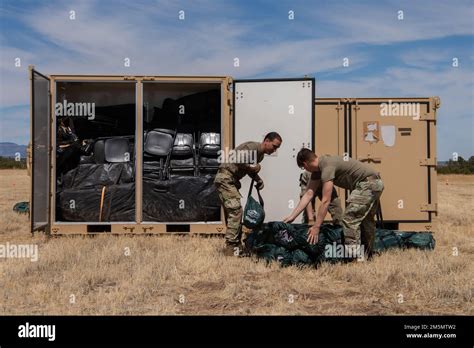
pixel 396 136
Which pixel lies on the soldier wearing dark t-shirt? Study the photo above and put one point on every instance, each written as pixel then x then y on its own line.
pixel 227 183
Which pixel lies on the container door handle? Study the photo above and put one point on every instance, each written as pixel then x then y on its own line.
pixel 370 159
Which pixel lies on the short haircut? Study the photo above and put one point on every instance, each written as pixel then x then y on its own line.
pixel 304 155
pixel 272 136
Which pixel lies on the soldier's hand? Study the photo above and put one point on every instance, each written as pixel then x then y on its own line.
pixel 288 220
pixel 259 185
pixel 255 168
pixel 313 235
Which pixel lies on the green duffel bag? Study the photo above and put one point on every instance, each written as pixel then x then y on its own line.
pixel 386 239
pixel 418 240
pixel 253 212
pixel 22 207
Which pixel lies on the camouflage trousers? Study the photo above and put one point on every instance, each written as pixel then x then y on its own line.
pixel 228 191
pixel 358 220
pixel 334 208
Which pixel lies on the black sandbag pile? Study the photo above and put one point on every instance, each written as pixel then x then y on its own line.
pixel 180 199
pixel 105 174
pixel 79 194
pixel 83 204
pixel 287 243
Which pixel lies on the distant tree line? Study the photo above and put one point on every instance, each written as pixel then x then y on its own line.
pixel 11 163
pixel 461 166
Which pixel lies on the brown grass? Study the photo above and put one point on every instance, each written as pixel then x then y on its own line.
pixel 162 270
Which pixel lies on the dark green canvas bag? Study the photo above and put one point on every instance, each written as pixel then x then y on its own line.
pixel 253 212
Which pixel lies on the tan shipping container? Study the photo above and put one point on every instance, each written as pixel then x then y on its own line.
pixel 397 136
pixel 248 110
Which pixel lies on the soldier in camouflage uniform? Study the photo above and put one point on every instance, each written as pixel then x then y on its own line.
pixel 227 182
pixel 366 185
pixel 334 208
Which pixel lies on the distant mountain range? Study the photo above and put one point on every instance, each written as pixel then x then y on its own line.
pixel 10 149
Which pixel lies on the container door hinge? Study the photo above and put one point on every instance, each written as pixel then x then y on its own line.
pixel 129 78
pixel 428 162
pixel 429 207
pixel 428 116
pixel 356 105
pixel 131 229
pixel 148 78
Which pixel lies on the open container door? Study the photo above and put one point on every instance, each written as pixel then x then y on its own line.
pixel 285 106
pixel 40 145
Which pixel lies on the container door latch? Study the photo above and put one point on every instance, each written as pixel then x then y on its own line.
pixel 429 207
pixel 428 162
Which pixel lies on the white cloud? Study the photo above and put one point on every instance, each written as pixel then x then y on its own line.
pixel 433 58
pixel 158 44
pixel 377 23
pixel 216 32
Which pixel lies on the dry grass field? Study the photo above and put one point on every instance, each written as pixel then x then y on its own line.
pixel 188 275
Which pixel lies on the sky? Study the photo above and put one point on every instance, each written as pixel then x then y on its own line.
pixel 389 56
